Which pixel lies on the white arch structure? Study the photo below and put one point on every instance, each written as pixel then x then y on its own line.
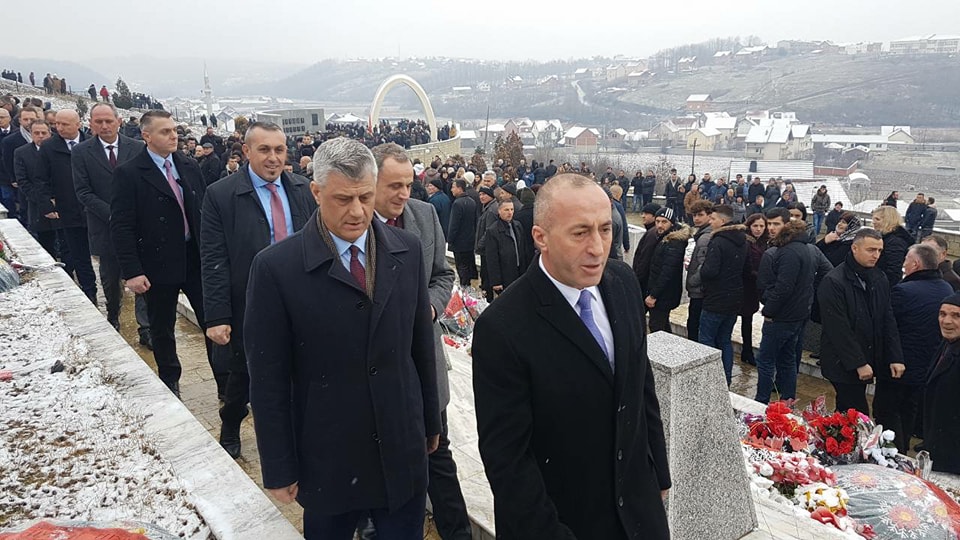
pixel 388 85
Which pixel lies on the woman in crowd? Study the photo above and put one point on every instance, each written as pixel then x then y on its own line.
pixel 739 209
pixel 896 241
pixel 756 244
pixel 836 244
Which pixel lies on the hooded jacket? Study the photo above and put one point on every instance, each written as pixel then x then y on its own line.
pixel 666 268
pixel 859 326
pixel 916 305
pixel 786 275
pixel 722 270
pixel 701 237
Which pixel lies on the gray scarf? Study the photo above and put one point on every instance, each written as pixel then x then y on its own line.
pixel 371 252
pixel 25 133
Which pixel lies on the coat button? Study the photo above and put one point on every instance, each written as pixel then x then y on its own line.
pixel 619 455
pixel 361 304
pixel 620 501
pixel 373 371
pixel 377 438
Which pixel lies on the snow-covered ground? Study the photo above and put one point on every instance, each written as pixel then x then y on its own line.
pixel 70 447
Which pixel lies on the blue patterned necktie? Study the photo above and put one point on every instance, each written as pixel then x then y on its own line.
pixel 586 315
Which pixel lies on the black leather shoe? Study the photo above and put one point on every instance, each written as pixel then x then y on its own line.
pixel 115 323
pixel 146 342
pixel 230 440
pixel 749 360
pixel 175 388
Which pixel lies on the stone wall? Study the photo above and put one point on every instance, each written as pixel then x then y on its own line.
pixel 444 149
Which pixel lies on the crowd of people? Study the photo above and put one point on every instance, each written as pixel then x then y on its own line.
pixel 256 228
pixel 404 132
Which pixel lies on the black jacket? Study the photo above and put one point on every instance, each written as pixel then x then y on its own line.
pixel 929 218
pixel 786 276
pixel 914 217
pixel 751 268
pixel 550 171
pixel 55 181
pixel 647 185
pixel 672 192
pixel 210 168
pixel 666 268
pixel 836 251
pixel 26 161
pixel 859 326
pixel 328 363
pixel 8 146
pixel 752 209
pixel 949 275
pixel 643 256
pixel 524 217
pixel 833 217
pixel 93 182
pixel 463 224
pixel 503 266
pixel 146 223
pixel 895 246
pixel 543 448
pixel 941 409
pixel 916 305
pixel 753 190
pixel 722 270
pixel 233 229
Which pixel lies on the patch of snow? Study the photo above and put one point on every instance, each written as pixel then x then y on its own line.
pixel 70 447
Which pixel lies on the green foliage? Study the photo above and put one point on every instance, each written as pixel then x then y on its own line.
pixel 477 160
pixel 122 98
pixel 82 106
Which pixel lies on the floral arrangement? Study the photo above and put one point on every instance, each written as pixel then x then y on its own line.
pixel 3 253
pixel 814 496
pixel 836 433
pixel 778 429
pixel 788 472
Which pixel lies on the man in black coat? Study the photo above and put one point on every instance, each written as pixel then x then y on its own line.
pixel 462 232
pixel 551 170
pixel 488 216
pixel 929 218
pixel 93 162
pixel 916 302
pixel 722 277
pixel 209 164
pixel 939 243
pixel 860 337
pixel 914 217
pixel 238 221
pixel 674 193
pixel 344 391
pixel 941 404
pixel 833 217
pixel 26 161
pixel 666 269
pixel 591 467
pixel 646 245
pixel 155 227
pixel 13 140
pixel 507 256
pixel 647 186
pixel 58 198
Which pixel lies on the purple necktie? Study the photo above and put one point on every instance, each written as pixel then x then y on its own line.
pixel 113 156
pixel 175 187
pixel 276 212
pixel 586 315
pixel 357 269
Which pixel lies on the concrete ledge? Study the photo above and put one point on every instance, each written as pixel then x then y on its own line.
pixel 230 503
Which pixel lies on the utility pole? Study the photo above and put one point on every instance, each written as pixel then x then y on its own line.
pixel 486 129
pixel 693 161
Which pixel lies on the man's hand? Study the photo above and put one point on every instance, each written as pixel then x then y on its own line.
pixel 219 334
pixel 433 442
pixel 52 215
pixel 498 289
pixel 433 312
pixel 664 493
pixel 650 302
pixel 139 284
pixel 866 372
pixel 286 495
pixel 896 370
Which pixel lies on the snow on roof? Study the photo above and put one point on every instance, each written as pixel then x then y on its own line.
pixel 793 169
pixel 722 123
pixel 495 128
pixel 468 134
pixel 581 71
pixel 637 74
pixel 849 139
pixel 799 131
pixel 776 133
pixel 595 131
pixel 708 131
pixel 890 130
pixel 931 37
pixel 721 54
pixel 574 132
pixel 620 131
pixel 698 97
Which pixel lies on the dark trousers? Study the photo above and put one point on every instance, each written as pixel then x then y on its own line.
pixel 716 331
pixel 449 508
pixel 237 391
pixel 746 335
pixel 55 244
pixel 851 396
pixel 406 523
pixel 660 320
pixel 895 405
pixel 776 361
pixel 9 200
pixel 79 246
pixel 694 309
pixel 485 284
pixel 162 313
pixel 466 263
pixel 113 292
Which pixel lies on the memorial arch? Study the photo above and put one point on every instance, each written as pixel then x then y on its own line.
pixel 388 85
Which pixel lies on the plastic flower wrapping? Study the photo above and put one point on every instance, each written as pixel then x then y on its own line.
pixel 463 309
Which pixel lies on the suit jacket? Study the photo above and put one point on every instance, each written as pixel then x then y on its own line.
pixel 146 224
pixel 420 218
pixel 504 262
pixel 8 145
pixel 233 229
pixel 941 409
pixel 26 160
pixel 571 449
pixel 463 224
pixel 55 181
pixel 93 183
pixel 343 388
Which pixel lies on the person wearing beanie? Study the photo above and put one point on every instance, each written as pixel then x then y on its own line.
pixel 941 404
pixel 441 202
pixel 646 245
pixel 489 214
pixel 666 269
pixel 860 340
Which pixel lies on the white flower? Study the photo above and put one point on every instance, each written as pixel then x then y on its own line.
pixel 765 469
pixel 888 435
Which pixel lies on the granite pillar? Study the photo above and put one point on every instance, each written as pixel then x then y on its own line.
pixel 710 497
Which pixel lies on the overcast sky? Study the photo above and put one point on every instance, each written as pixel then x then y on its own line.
pixel 307 31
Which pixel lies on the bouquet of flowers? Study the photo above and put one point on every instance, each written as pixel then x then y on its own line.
pixel 794 470
pixel 778 429
pixel 814 496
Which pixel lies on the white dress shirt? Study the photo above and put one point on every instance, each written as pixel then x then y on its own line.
pixel 115 144
pixel 572 296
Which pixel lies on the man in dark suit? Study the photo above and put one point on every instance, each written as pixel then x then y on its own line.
pixel 570 431
pixel 94 161
pixel 26 160
pixel 13 140
pixel 154 224
pixel 339 344
pixel 463 230
pixel 209 164
pixel 394 207
pixel 58 198
pixel 246 212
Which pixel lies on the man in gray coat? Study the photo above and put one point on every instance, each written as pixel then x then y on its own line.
pixel 93 162
pixel 701 211
pixel 394 207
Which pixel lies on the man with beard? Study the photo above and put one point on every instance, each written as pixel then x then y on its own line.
pixel 646 245
pixel 666 269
